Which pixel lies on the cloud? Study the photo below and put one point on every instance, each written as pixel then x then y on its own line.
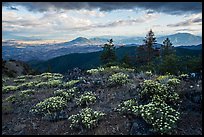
pixel 12 8
pixel 47 24
pixel 165 7
pixel 189 22
pixel 92 13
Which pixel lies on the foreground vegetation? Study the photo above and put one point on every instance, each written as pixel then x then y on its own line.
pixel 157 99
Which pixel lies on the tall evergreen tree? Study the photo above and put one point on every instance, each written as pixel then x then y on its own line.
pixel 108 55
pixel 149 40
pixel 167 48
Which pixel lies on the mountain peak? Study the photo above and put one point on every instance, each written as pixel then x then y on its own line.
pixel 81 38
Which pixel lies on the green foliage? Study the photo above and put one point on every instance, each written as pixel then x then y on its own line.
pixel 110 69
pixel 11 98
pixel 160 115
pixel 54 83
pixel 66 94
pixel 93 71
pixel 128 107
pixel 151 87
pixel 148 73
pixel 164 78
pixel 49 105
pixel 86 99
pixel 19 80
pixel 71 83
pixel 19 97
pixel 173 82
pixel 108 55
pixel 7 89
pixel 153 90
pixel 118 79
pixel 167 48
pixel 183 76
pixel 27 85
pixel 49 83
pixel 126 61
pixel 26 92
pixel 144 75
pixel 149 40
pixel 169 64
pixel 87 118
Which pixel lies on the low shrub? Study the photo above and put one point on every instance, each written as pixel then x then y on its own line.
pixel 173 82
pixel 63 93
pixel 128 107
pixel 50 105
pixel 161 116
pixel 71 83
pixel 7 89
pixel 118 79
pixel 93 71
pixel 87 118
pixel 183 76
pixel 86 99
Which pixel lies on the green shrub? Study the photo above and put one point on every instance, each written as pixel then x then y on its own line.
pixel 73 90
pixel 86 99
pixel 57 76
pixel 148 73
pixel 19 80
pixel 161 116
pixel 118 79
pixel 7 89
pixel 183 76
pixel 128 107
pixel 28 84
pixel 151 88
pixel 111 69
pixel 87 118
pixel 173 82
pixel 71 83
pixel 49 83
pixel 164 78
pixel 41 84
pixel 63 93
pixel 26 92
pixel 11 98
pixel 19 97
pixel 93 71
pixel 54 83
pixel 50 105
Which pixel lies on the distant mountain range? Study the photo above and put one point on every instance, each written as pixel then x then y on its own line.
pixel 179 39
pixel 13 50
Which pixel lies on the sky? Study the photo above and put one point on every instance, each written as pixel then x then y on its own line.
pixel 69 20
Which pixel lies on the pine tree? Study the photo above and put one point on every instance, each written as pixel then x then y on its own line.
pixel 167 48
pixel 108 55
pixel 149 40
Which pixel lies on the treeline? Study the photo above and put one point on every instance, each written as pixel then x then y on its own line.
pixel 151 57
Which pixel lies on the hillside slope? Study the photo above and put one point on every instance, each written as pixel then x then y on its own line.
pixel 46 104
pixel 89 60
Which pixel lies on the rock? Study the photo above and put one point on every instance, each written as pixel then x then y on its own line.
pixel 19 127
pixel 140 127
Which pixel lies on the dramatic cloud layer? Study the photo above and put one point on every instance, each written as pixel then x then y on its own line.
pixel 165 7
pixel 68 20
pixel 193 20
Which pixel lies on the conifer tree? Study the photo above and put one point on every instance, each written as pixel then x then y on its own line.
pixel 149 40
pixel 108 54
pixel 167 48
